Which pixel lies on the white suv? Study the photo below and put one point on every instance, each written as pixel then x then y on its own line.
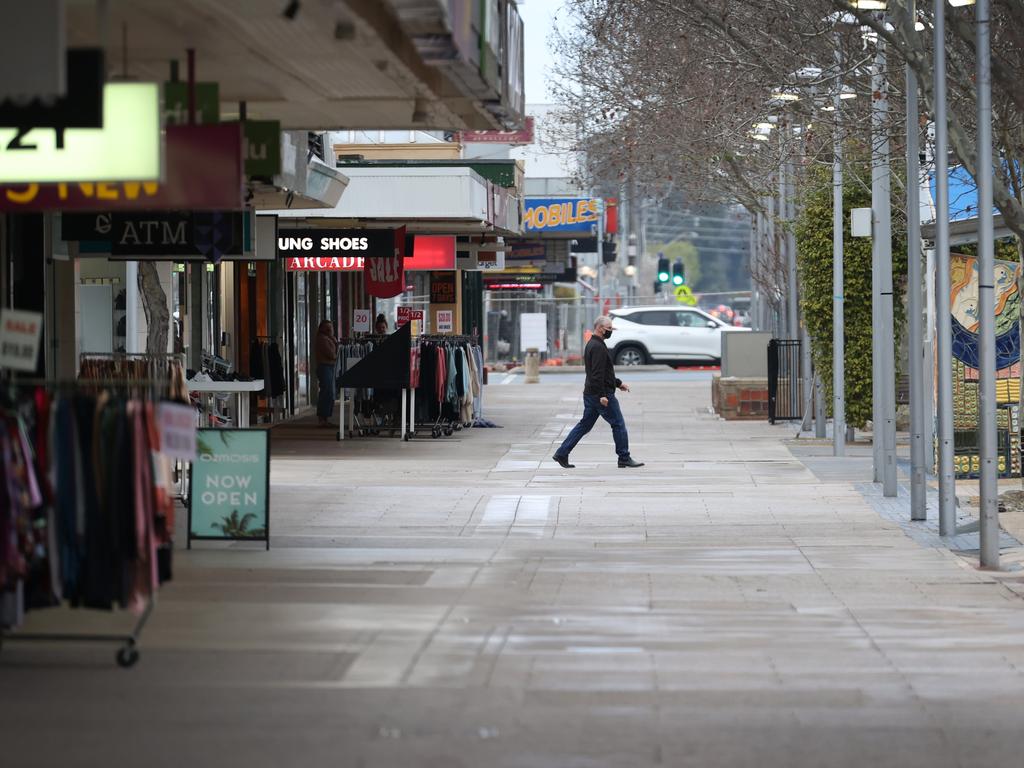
pixel 666 334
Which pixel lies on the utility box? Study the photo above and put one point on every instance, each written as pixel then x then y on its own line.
pixel 743 354
pixel 860 222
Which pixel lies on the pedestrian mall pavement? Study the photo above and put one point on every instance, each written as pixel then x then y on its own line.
pixel 466 602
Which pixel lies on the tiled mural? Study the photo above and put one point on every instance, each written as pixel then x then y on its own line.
pixel 964 305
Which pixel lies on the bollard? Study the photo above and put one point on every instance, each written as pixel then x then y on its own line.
pixel 532 366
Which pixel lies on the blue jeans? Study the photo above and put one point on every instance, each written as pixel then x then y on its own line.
pixel 592 408
pixel 325 399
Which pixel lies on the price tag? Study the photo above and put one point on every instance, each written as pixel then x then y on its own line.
pixel 361 320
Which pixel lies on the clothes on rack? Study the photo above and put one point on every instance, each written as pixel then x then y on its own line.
pixel 86 509
pixel 266 362
pixel 169 368
pixel 449 381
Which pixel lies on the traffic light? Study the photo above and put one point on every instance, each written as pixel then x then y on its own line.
pixel 678 273
pixel 663 269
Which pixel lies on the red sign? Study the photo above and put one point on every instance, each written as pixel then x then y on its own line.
pixel 407 314
pixel 324 263
pixel 523 136
pixel 385 274
pixel 611 215
pixel 430 252
pixel 204 173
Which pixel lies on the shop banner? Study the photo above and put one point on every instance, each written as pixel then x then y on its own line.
pixel 176 103
pixel 230 486
pixel 203 173
pixel 19 339
pixel 428 252
pixel 385 274
pixel 127 147
pixel 334 243
pixel 80 107
pixel 560 214
pixel 170 235
pixel 262 148
pixel 523 136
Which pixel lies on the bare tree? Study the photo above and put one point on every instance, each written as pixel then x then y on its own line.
pixel 679 92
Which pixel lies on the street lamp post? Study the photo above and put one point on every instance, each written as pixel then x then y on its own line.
pixel 885 367
pixel 838 300
pixel 918 486
pixel 988 490
pixel 943 329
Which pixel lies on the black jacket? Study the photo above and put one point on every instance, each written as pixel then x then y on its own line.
pixel 601 380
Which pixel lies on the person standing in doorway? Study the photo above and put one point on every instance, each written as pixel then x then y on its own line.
pixel 599 398
pixel 326 365
pixel 380 325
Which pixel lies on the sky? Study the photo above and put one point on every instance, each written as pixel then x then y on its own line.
pixel 539 18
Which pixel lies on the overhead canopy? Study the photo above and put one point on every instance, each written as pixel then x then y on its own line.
pixel 311 65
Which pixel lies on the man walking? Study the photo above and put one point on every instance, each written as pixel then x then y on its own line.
pixel 599 398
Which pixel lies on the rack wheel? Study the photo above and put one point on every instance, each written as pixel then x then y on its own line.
pixel 448 432
pixel 127 656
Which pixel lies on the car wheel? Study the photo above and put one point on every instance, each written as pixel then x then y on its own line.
pixel 630 355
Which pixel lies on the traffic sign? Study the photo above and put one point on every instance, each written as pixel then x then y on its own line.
pixel 684 295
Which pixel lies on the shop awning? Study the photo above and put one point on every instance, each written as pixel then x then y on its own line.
pixel 453 200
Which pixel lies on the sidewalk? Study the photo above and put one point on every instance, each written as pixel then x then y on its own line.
pixel 739 601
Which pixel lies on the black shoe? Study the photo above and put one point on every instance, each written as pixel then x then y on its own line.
pixel 563 461
pixel 630 463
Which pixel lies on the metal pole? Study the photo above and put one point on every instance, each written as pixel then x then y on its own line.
pixel 918 487
pixel 838 319
pixel 989 492
pixel 789 330
pixel 789 203
pixel 881 202
pixel 774 252
pixel 876 303
pixel 600 254
pixel 943 328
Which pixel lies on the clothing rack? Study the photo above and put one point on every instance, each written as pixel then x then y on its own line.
pixel 263 345
pixel 127 654
pixel 443 415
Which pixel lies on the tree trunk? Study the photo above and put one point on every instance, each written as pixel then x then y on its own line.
pixel 154 302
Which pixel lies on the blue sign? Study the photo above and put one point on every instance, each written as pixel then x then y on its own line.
pixel 561 214
pixel 963 194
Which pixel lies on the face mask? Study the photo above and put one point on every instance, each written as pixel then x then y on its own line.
pixel 608 333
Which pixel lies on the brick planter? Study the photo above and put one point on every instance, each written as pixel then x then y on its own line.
pixel 739 399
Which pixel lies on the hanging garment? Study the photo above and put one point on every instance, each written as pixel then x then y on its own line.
pixel 275 364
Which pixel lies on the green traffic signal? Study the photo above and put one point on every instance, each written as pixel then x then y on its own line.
pixel 663 269
pixel 678 273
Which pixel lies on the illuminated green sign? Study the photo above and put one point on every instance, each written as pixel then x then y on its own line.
pixel 126 148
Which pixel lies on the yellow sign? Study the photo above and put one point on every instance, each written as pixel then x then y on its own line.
pixel 685 296
pixel 126 148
